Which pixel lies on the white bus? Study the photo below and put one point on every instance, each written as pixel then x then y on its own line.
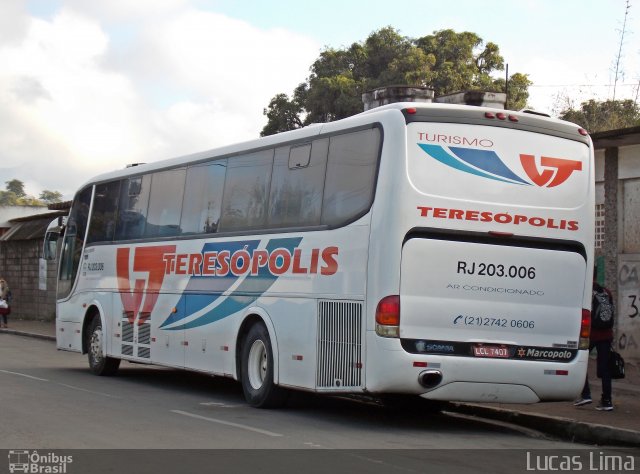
pixel 433 250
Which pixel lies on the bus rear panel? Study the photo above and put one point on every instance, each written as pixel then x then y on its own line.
pixel 495 261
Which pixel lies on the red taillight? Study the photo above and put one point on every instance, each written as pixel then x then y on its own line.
pixel 585 329
pixel 388 311
pixel 585 326
pixel 513 118
pixel 583 132
pixel 501 116
pixel 489 115
pixel 388 316
pixel 411 110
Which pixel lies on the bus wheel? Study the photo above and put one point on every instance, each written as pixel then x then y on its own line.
pixel 98 362
pixel 257 370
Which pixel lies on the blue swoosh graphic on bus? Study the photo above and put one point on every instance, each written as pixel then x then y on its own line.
pixel 249 290
pixel 213 286
pixel 495 165
pixel 487 160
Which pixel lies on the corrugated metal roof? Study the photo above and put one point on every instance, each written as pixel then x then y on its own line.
pixel 28 229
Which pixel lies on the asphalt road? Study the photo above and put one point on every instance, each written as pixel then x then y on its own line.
pixel 49 400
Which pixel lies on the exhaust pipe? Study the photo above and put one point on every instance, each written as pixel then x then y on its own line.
pixel 430 378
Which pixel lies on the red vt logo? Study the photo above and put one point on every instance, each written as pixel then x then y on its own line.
pixel 555 171
pixel 147 260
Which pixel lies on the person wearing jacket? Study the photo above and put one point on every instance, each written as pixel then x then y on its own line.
pixel 600 339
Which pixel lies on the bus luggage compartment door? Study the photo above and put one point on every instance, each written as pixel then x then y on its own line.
pixel 477 292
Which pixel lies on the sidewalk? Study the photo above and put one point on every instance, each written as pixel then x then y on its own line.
pixel 620 427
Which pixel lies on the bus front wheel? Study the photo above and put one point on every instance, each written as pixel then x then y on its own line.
pixel 99 363
pixel 257 370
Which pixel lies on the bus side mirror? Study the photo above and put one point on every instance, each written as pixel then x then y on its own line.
pixel 51 236
pixel 50 247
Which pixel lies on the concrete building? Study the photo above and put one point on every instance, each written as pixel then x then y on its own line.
pixel 32 279
pixel 618 229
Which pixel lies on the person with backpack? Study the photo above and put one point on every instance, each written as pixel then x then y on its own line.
pixel 602 318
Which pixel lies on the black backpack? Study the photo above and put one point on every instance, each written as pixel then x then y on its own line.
pixel 602 309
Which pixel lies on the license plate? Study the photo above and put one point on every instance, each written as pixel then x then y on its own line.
pixel 491 351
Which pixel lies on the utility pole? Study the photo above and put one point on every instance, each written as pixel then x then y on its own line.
pixel 506 88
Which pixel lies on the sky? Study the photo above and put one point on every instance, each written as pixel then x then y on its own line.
pixel 89 86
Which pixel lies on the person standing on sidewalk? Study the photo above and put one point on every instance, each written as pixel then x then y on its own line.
pixel 5 297
pixel 602 317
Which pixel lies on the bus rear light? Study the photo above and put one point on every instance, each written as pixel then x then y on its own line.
pixel 583 132
pixel 419 364
pixel 556 372
pixel 388 316
pixel 501 116
pixel 513 118
pixel 585 329
pixel 489 115
pixel 411 110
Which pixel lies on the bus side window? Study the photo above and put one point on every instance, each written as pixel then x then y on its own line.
pixel 244 203
pixel 105 209
pixel 203 198
pixel 297 185
pixel 165 203
pixel 351 174
pixel 73 242
pixel 132 213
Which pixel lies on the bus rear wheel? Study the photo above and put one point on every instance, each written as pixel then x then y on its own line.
pixel 99 363
pixel 257 370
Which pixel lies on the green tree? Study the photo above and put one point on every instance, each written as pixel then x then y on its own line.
pixel 15 195
pixel 460 63
pixel 50 196
pixel 17 187
pixel 445 61
pixel 598 116
pixel 8 198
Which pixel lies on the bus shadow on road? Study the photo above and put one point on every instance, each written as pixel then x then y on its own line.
pixel 398 412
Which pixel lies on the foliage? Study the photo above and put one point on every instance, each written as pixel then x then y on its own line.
pixel 445 61
pixel 16 187
pixel 50 197
pixel 15 195
pixel 282 115
pixel 598 116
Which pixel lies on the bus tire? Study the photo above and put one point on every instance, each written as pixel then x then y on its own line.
pixel 257 370
pixel 98 362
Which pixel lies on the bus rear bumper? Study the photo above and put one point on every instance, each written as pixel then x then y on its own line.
pixel 481 392
pixel 475 379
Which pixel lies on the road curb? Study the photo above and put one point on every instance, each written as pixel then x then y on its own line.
pixel 563 428
pixel 16 332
